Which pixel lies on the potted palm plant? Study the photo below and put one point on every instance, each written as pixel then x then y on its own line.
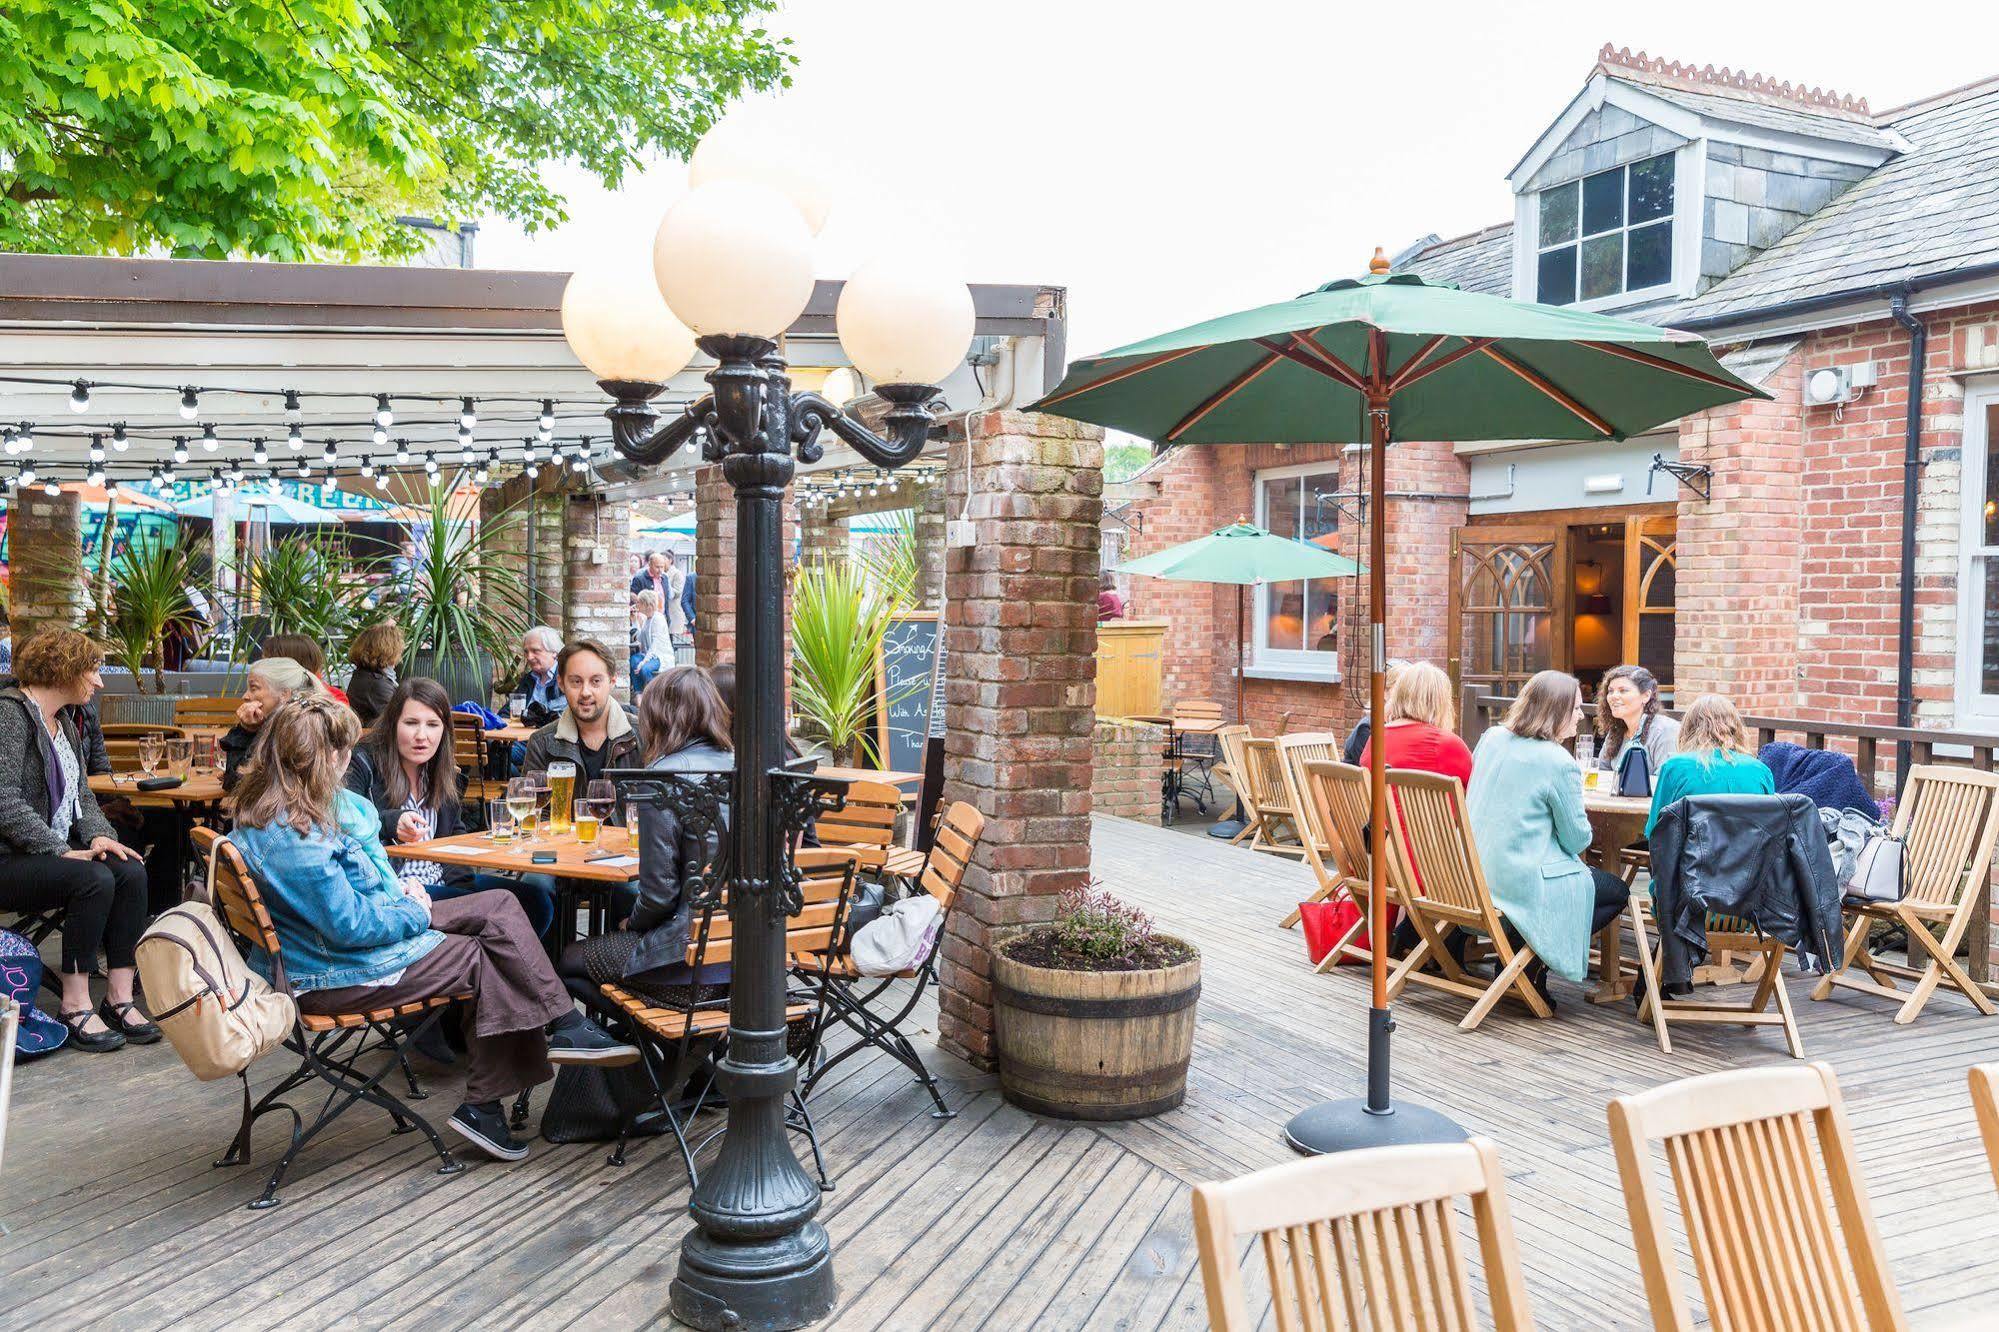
pixel 307 584
pixel 465 601
pixel 839 615
pixel 144 600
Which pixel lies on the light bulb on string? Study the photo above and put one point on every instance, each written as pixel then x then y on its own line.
pixel 24 438
pixel 209 442
pixel 190 405
pixel 547 421
pixel 402 450
pixel 479 475
pixel 79 397
pixel 381 480
pixel 367 467
pixel 166 476
pixel 7 442
pixel 96 449
pixel 296 438
pixel 26 475
pixel 263 458
pixel 531 471
pixel 119 440
pixel 385 416
pixel 180 448
pixel 468 416
pixel 430 464
pixel 294 412
pixel 380 436
pixel 304 468
pixel 96 477
pixel 51 489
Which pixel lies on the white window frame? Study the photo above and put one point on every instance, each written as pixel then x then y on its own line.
pixel 1687 219
pixel 1623 295
pixel 1976 710
pixel 1285 663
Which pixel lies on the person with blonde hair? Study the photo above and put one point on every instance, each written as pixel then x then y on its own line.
pixel 1715 758
pixel 375 652
pixel 272 682
pixel 1526 808
pixel 1356 743
pixel 356 938
pixel 655 640
pixel 1417 735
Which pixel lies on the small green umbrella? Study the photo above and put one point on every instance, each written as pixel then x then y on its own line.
pixel 1367 360
pixel 1242 554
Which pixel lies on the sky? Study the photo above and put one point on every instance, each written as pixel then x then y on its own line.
pixel 1167 163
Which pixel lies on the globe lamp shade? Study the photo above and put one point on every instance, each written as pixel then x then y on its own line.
pixel 743 147
pixel 734 258
pixel 621 328
pixel 904 320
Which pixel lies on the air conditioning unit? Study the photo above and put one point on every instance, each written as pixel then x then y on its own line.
pixel 1838 385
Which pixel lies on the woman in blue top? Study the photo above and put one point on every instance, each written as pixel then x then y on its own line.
pixel 1715 758
pixel 1526 807
pixel 356 938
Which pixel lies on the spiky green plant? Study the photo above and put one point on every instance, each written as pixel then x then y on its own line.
pixel 148 599
pixel 308 583
pixel 468 593
pixel 892 559
pixel 839 615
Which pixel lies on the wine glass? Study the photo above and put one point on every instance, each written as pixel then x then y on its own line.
pixel 538 783
pixel 151 749
pixel 602 794
pixel 521 803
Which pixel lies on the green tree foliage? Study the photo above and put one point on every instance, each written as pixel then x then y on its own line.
pixel 1123 461
pixel 300 129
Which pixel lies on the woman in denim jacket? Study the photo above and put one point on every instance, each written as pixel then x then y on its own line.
pixel 357 938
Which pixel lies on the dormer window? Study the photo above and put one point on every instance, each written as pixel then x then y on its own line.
pixel 1606 234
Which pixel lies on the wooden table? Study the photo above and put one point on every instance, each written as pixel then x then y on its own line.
pixel 839 774
pixel 1615 822
pixel 1174 782
pixel 201 788
pixel 511 732
pixel 579 871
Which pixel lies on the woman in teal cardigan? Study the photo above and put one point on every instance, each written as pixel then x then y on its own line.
pixel 1715 758
pixel 1526 808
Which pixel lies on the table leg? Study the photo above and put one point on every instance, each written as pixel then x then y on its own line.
pixel 1614 983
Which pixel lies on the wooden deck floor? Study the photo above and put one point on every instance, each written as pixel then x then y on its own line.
pixel 995 1219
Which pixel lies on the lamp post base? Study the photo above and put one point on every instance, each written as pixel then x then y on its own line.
pixel 1341 1126
pixel 772 1285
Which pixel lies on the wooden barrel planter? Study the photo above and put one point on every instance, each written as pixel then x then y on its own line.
pixel 1094 1044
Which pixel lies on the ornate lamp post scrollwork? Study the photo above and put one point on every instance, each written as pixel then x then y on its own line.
pixel 732 263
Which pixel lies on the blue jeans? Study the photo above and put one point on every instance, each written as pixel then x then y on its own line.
pixel 535 893
pixel 642 676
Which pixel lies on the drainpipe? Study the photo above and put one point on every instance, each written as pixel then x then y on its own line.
pixel 1905 660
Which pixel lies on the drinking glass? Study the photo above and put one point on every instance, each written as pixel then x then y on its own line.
pixel 500 819
pixel 180 756
pixel 204 753
pixel 586 820
pixel 517 705
pixel 561 796
pixel 151 749
pixel 603 797
pixel 521 801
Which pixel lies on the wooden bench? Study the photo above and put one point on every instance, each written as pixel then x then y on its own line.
pixel 200 710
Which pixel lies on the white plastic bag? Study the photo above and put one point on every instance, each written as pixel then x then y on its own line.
pixel 900 938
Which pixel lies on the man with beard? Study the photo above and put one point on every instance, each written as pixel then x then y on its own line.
pixel 595 731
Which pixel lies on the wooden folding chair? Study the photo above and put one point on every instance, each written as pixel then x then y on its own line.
pixel 1435 867
pixel 1948 819
pixel 1366 1239
pixel 205 711
pixel 329 1047
pixel 1985 1102
pixel 1234 769
pixel 1337 795
pixel 864 824
pixel 1739 938
pixel 469 752
pixel 1276 822
pixel 1754 1204
pixel 1293 753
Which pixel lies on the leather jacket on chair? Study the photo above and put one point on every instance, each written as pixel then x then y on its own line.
pixel 1761 858
pixel 668 853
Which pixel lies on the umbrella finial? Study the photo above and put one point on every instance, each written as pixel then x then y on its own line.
pixel 1378 264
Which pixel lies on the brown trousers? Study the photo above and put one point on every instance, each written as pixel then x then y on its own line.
pixel 489 949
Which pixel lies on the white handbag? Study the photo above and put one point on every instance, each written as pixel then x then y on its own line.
pixel 1881 871
pixel 899 939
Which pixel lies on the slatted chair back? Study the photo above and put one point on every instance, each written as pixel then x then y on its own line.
pixel 1342 809
pixel 468 755
pixel 121 741
pixel 205 711
pixel 1437 850
pixel 237 898
pixel 1949 818
pixel 1196 710
pixel 1267 774
pixel 865 822
pixel 1293 753
pixel 825 875
pixel 1985 1102
pixel 1766 1228
pixel 1229 740
pixel 958 835
pixel 1366 1240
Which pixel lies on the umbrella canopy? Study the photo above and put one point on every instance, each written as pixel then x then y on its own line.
pixel 273 508
pixel 98 498
pixel 1242 553
pixel 1454 365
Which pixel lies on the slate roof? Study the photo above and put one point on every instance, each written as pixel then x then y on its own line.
pixel 1741 111
pixel 1480 261
pixel 1931 210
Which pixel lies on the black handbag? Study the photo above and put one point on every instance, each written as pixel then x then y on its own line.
pixel 865 906
pixel 1634 773
pixel 587 1104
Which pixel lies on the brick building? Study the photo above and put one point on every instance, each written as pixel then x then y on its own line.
pixel 1815 243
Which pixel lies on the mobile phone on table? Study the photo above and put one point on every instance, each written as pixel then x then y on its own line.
pixel 542 858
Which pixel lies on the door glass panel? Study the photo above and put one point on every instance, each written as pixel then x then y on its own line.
pixel 1506 609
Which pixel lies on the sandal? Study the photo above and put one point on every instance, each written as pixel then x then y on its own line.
pixel 96 1042
pixel 129 1022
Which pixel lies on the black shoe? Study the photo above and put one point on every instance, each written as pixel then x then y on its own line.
pixel 1537 976
pixel 577 1040
pixel 485 1127
pixel 129 1022
pixel 96 1042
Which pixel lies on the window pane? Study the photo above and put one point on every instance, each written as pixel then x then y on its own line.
pixel 1280 506
pixel 1322 613
pixel 1651 189
pixel 1556 282
pixel 1321 512
pixel 1651 256
pixel 1603 265
pixel 1558 214
pixel 1989 654
pixel 1603 201
pixel 1992 475
pixel 1284 616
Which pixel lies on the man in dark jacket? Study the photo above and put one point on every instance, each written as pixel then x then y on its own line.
pixel 595 731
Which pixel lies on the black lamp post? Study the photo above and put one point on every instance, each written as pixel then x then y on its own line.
pixel 756 1258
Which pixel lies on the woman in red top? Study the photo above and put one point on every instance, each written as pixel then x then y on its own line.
pixel 1419 736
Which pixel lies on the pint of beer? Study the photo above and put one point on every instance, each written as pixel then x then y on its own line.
pixel 587 821
pixel 561 792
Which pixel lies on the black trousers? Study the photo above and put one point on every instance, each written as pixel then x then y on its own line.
pixel 1611 895
pixel 103 902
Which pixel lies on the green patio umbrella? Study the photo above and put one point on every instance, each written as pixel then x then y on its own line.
pixel 1369 360
pixel 1243 554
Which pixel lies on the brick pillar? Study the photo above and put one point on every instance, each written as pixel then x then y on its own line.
pixel 714 567
pixel 1021 631
pixel 596 589
pixel 546 513
pixel 45 554
pixel 930 519
pixel 1124 770
pixel 1738 625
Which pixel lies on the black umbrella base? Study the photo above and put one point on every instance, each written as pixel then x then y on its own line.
pixel 1342 1126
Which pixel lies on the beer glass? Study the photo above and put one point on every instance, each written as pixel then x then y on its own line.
pixel 587 821
pixel 500 820
pixel 561 796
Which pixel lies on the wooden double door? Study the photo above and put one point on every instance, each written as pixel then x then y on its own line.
pixel 1513 600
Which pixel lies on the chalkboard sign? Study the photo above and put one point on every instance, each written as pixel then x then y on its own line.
pixel 904 684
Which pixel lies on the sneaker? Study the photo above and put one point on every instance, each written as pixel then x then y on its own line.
pixel 485 1127
pixel 577 1040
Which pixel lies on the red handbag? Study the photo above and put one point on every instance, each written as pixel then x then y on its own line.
pixel 1325 923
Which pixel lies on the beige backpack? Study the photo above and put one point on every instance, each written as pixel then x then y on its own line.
pixel 220 1015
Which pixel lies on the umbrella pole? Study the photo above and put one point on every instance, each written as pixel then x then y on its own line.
pixel 1377 1121
pixel 1241 595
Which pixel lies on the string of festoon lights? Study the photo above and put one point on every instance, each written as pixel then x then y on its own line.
pixel 819 490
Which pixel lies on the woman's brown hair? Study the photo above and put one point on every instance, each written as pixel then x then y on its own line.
pixel 678 708
pixel 440 774
pixel 1713 723
pixel 297 766
pixel 1606 721
pixel 56 659
pixel 299 648
pixel 1422 693
pixel 1545 706
pixel 378 647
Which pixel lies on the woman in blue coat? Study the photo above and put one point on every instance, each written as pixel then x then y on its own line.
pixel 1526 808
